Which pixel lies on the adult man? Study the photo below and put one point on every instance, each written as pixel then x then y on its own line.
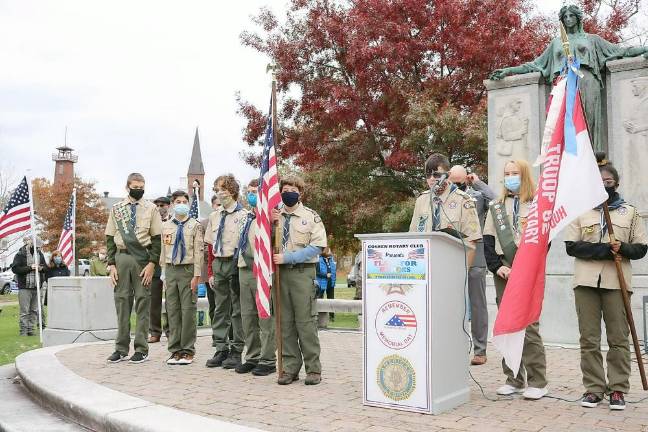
pixel 133 237
pixel 99 264
pixel 223 234
pixel 24 266
pixel 155 326
pixel 482 196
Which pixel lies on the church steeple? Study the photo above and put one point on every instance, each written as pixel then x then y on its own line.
pixel 196 171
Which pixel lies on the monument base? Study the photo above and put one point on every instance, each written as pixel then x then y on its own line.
pixel 53 337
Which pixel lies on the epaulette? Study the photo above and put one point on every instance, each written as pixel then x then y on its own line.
pixel 316 217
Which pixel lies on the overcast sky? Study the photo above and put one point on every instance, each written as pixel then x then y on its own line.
pixel 131 80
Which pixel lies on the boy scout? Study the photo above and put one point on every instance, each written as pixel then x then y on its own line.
pixel 155 314
pixel 303 239
pixel 181 261
pixel 223 234
pixel 98 265
pixel 133 243
pixel 445 207
pixel 597 290
pixel 259 333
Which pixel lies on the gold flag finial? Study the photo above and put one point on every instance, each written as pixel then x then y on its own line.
pixel 272 67
pixel 567 50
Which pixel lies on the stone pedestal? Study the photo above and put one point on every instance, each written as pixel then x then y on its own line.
pixel 80 309
pixel 516 117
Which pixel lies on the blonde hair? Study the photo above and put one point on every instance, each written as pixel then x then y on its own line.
pixel 527 185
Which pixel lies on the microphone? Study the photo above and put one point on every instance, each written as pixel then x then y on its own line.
pixel 439 184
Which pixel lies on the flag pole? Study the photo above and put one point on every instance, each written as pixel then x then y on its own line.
pixel 277 247
pixel 36 257
pixel 74 261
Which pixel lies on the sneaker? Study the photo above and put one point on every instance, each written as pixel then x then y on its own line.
pixel 245 367
pixel 218 359
pixel 478 360
pixel 590 400
pixel 264 370
pixel 185 359
pixel 233 360
pixel 138 357
pixel 173 360
pixel 116 357
pixel 313 378
pixel 617 402
pixel 287 378
pixel 507 390
pixel 535 393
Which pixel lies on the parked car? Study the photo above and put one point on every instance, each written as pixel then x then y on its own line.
pixel 84 267
pixel 7 282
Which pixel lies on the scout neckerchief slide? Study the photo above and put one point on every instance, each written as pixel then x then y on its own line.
pixel 122 216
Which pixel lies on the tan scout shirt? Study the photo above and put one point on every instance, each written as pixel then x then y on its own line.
pixel 250 245
pixel 234 220
pixel 148 222
pixel 458 212
pixel 628 228
pixel 491 229
pixel 306 228
pixel 193 237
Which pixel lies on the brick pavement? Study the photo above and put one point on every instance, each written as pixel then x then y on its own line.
pixel 336 404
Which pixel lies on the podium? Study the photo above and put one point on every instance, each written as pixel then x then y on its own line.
pixel 415 349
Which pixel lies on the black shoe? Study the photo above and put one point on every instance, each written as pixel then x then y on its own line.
pixel 30 333
pixel 617 402
pixel 218 359
pixel 590 400
pixel 233 360
pixel 245 367
pixel 263 370
pixel 138 357
pixel 116 357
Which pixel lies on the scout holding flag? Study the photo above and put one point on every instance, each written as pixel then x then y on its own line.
pixel 133 240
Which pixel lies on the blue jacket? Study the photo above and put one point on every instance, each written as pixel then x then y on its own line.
pixel 325 265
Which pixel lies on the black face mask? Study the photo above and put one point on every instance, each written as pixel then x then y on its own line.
pixel 290 198
pixel 611 191
pixel 136 194
pixel 461 186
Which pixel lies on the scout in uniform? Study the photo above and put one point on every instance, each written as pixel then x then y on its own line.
pixel 222 234
pixel 181 260
pixel 155 325
pixel 597 290
pixel 260 357
pixel 133 236
pixel 303 238
pixel 99 265
pixel 505 223
pixel 445 207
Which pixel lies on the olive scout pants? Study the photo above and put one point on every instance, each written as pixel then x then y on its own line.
pixel 534 362
pixel 228 306
pixel 591 304
pixel 181 308
pixel 259 333
pixel 299 319
pixel 129 287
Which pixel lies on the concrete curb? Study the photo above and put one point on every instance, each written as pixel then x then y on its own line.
pixel 99 408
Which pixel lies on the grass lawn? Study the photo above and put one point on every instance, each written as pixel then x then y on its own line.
pixel 344 320
pixel 10 343
pixel 7 298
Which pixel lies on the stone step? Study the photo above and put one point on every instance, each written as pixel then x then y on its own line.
pixel 20 413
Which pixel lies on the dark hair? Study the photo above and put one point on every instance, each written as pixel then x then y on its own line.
pixel 435 161
pixel 229 183
pixel 134 177
pixel 576 11
pixel 605 165
pixel 213 198
pixel 254 183
pixel 56 253
pixel 179 193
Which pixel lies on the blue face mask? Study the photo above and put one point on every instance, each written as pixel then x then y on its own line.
pixel 58 260
pixel 181 209
pixel 252 199
pixel 512 183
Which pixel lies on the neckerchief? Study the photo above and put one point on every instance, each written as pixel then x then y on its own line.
pixel 179 244
pixel 614 202
pixel 218 245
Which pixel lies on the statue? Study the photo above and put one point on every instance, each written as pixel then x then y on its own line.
pixel 512 131
pixel 637 129
pixel 593 52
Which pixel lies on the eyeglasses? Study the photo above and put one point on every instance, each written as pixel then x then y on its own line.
pixel 609 183
pixel 161 205
pixel 435 174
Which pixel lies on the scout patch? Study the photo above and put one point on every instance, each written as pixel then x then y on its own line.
pixel 317 219
pixel 168 239
pixel 588 230
pixel 421 224
pixel 304 222
pixel 622 210
pixel 469 205
pixel 453 205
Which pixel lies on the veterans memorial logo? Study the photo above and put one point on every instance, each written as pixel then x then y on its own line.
pixel 394 288
pixel 396 325
pixel 396 377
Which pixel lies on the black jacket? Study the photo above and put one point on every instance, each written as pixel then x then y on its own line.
pixel 60 270
pixel 21 269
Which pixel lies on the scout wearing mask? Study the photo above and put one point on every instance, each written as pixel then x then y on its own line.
pixel 99 264
pixel 223 233
pixel 181 259
pixel 133 239
pixel 597 290
pixel 503 230
pixel 302 241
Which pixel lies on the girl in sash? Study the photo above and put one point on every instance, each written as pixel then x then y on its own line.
pixel 505 223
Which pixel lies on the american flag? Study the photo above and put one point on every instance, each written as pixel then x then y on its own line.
pixel 16 215
pixel 193 210
pixel 66 241
pixel 268 198
pixel 402 321
pixel 373 254
pixel 418 253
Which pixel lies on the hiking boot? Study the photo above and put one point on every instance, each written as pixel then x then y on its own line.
pixel 138 357
pixel 218 359
pixel 233 360
pixel 478 360
pixel 264 370
pixel 116 357
pixel 245 367
pixel 287 378
pixel 590 400
pixel 617 402
pixel 313 378
pixel 173 360
pixel 185 359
